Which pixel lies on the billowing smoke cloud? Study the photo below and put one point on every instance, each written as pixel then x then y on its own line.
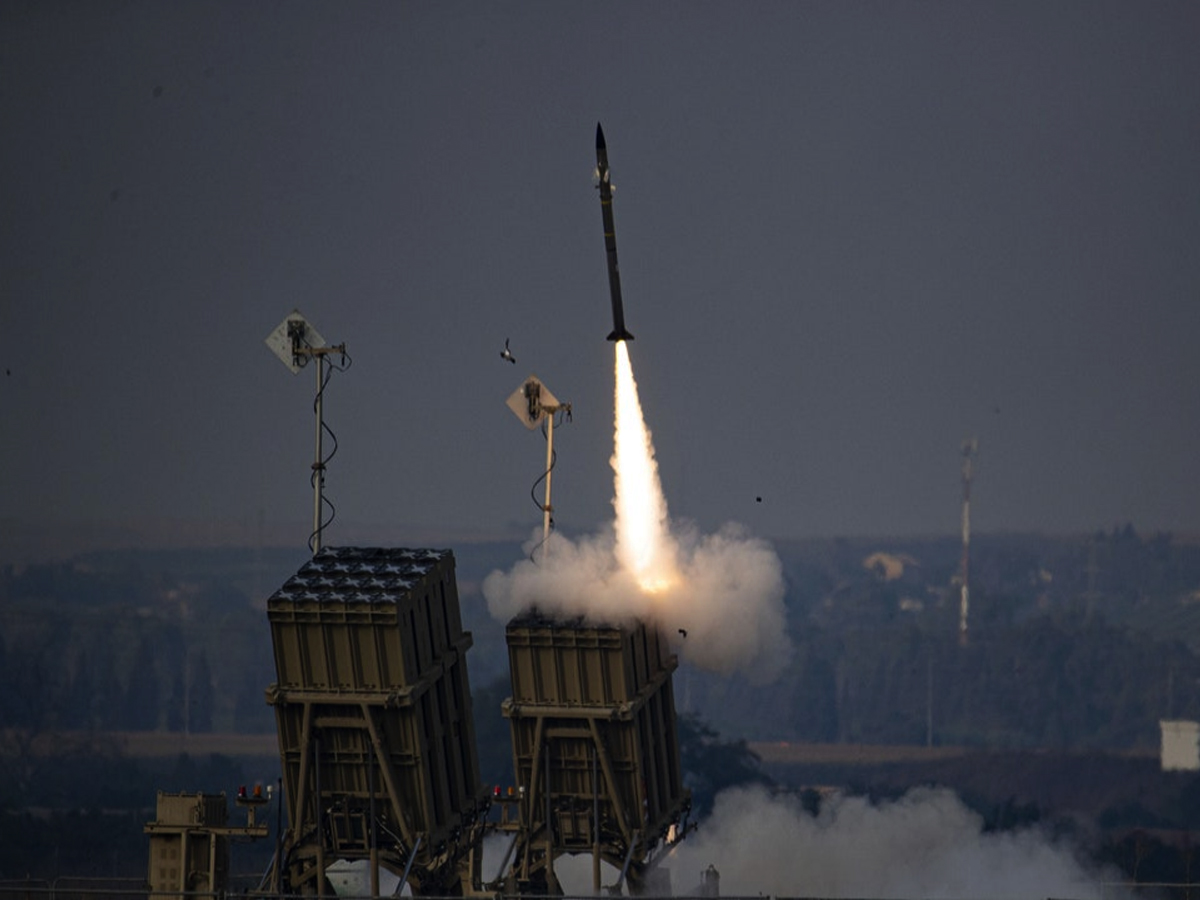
pixel 728 598
pixel 719 598
pixel 926 845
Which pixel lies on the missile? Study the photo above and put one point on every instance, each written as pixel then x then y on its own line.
pixel 610 239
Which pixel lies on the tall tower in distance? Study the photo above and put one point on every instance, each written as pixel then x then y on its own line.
pixel 970 449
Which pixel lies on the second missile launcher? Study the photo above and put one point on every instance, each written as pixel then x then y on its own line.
pixel 595 749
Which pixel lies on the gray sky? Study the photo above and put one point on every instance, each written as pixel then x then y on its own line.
pixel 851 235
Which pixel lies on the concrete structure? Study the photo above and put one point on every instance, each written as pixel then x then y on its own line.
pixel 1180 745
pixel 189 844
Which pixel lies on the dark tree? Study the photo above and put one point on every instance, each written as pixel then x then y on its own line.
pixel 141 693
pixel 710 765
pixel 177 704
pixel 493 737
pixel 200 696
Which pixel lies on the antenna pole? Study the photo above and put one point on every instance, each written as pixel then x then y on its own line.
pixel 318 465
pixel 297 343
pixel 533 404
pixel 546 508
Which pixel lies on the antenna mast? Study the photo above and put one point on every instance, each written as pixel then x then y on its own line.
pixel 533 403
pixel 296 342
pixel 970 449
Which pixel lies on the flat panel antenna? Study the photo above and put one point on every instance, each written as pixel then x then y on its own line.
pixel 293 336
pixel 532 402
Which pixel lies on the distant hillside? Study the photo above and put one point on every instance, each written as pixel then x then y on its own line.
pixel 1049 713
pixel 1074 642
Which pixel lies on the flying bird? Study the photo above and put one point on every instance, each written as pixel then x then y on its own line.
pixel 683 631
pixel 506 354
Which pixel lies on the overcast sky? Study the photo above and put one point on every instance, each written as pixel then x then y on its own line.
pixel 851 235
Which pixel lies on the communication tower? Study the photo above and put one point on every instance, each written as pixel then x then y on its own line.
pixel 970 449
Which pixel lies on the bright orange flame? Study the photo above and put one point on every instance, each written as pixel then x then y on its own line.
pixel 644 545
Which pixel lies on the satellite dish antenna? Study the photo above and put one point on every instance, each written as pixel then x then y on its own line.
pixel 533 403
pixel 296 343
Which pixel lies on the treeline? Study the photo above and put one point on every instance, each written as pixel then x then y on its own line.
pixel 101 650
pixel 1071 644
pixel 1045 683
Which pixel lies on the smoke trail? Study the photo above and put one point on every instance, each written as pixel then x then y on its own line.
pixel 719 597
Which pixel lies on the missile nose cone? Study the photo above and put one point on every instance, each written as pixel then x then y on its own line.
pixel 600 145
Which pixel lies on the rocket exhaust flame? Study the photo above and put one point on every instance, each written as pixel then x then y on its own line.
pixel 645 547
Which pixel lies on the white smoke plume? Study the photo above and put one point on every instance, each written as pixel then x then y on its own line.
pixel 728 599
pixel 718 598
pixel 926 845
